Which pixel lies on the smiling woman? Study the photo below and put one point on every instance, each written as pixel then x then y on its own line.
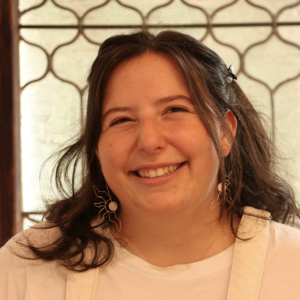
pixel 159 160
pixel 178 193
pixel 159 130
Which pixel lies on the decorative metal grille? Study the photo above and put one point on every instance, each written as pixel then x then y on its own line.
pixel 260 38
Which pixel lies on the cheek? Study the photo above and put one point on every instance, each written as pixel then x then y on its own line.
pixel 107 155
pixel 196 144
pixel 111 155
pixel 193 139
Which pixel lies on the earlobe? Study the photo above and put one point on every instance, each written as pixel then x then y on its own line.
pixel 228 137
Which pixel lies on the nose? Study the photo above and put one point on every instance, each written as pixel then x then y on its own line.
pixel 151 137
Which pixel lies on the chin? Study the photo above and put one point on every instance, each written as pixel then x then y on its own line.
pixel 162 205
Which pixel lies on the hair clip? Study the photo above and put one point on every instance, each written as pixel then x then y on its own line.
pixel 230 76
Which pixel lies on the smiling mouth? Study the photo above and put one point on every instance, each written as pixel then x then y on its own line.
pixel 153 173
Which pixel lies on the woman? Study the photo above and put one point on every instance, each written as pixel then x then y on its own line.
pixel 178 190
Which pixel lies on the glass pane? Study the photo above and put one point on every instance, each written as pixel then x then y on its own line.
pixel 84 102
pixel 80 6
pixel 177 13
pixel 145 6
pixel 25 4
pixel 50 115
pixel 31 220
pixel 197 33
pixel 33 63
pixel 274 5
pixel 258 94
pixel 49 39
pixel 229 56
pixel 290 33
pixel 100 35
pixel 208 5
pixel 48 14
pixel 241 12
pixel 273 62
pixel 287 112
pixel 242 37
pixel 290 15
pixel 80 56
pixel 113 14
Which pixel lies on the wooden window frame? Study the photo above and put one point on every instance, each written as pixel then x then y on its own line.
pixel 10 166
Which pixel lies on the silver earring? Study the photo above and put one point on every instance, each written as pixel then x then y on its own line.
pixel 226 191
pixel 107 206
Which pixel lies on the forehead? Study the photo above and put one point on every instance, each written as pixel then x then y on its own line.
pixel 147 77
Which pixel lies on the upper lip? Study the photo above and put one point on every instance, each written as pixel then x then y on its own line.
pixel 155 166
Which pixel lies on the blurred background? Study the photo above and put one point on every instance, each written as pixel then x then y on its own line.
pixel 47 47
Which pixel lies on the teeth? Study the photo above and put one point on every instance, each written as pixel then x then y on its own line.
pixel 152 173
pixel 158 172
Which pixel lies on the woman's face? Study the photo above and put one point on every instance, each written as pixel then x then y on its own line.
pixel 154 151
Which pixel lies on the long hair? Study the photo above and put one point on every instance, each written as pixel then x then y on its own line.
pixel 253 161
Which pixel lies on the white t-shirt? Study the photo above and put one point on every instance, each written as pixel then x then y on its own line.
pixel 136 279
pixel 130 277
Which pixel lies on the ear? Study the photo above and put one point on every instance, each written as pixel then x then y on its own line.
pixel 226 137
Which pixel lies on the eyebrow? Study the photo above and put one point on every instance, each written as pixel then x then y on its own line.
pixel 157 102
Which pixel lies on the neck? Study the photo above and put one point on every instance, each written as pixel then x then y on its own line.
pixel 166 240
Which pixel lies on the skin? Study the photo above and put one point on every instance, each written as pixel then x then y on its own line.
pixel 149 122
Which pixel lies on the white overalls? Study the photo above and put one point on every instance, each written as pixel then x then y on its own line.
pixel 247 267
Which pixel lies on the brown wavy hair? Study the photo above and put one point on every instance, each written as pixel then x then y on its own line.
pixel 253 158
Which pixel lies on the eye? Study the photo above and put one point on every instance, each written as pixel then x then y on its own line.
pixel 119 121
pixel 176 109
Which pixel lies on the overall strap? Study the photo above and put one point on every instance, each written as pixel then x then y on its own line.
pixel 82 285
pixel 249 256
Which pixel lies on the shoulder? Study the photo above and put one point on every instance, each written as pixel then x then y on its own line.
pixel 283 255
pixel 22 276
pixel 40 235
pixel 284 238
pixel 280 235
pixel 281 270
pixel 16 253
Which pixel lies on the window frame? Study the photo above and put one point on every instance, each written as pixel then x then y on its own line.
pixel 10 166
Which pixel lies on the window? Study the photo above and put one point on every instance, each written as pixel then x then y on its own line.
pixel 60 38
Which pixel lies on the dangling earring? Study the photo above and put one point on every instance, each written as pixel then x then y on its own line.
pixel 226 191
pixel 109 206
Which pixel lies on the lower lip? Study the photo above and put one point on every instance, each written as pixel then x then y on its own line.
pixel 158 180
